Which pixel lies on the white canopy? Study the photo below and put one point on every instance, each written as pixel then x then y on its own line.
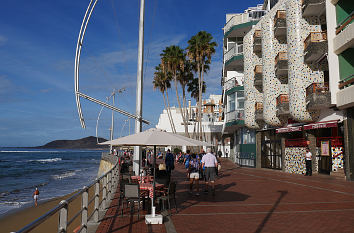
pixel 155 137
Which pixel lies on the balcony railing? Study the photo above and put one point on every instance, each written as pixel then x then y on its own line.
pixel 235 115
pixel 258 76
pixel 280 23
pixel 232 82
pixel 283 104
pixel 234 51
pixel 313 7
pixel 315 46
pixel 318 96
pixel 259 110
pixel 257 41
pixel 281 65
pixel 315 37
pixel 342 25
pixel 239 19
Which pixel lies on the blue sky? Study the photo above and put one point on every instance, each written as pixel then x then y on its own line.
pixel 37 51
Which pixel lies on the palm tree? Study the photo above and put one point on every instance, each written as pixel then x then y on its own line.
pixel 193 88
pixel 185 77
pixel 200 49
pixel 162 82
pixel 173 62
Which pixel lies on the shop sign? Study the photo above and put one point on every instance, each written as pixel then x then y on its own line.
pixel 325 148
pixel 288 129
pixel 321 125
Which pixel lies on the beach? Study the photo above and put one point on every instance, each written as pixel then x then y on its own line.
pixel 58 175
pixel 20 218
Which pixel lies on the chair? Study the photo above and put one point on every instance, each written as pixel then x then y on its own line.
pixel 132 195
pixel 171 194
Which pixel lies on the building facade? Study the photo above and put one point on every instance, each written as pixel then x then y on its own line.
pixel 238 141
pixel 211 120
pixel 292 81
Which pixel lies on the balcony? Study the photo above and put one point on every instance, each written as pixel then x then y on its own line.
pixel 345 35
pixel 280 24
pixel 232 82
pixel 257 41
pixel 318 96
pixel 235 117
pixel 283 105
pixel 313 7
pixel 234 58
pixel 315 46
pixel 259 111
pixel 258 76
pixel 239 23
pixel 281 66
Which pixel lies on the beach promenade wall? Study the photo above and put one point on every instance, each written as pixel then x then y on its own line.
pixel 107 162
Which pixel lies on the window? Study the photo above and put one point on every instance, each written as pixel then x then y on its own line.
pixel 248 136
pixel 231 102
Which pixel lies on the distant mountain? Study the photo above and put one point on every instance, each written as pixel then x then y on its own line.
pixel 83 143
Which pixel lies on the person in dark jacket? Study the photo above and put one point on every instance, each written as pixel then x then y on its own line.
pixel 169 161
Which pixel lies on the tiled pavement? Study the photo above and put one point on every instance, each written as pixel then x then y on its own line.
pixel 255 200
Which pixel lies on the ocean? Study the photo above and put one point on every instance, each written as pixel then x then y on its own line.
pixel 55 172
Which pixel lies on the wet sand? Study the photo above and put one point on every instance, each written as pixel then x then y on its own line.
pixel 16 220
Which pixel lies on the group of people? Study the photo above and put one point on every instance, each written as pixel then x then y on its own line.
pixel 199 166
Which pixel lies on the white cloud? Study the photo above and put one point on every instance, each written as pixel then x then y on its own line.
pixel 3 40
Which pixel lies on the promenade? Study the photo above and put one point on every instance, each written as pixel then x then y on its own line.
pixel 251 200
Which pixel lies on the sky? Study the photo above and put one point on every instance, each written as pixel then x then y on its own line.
pixel 37 52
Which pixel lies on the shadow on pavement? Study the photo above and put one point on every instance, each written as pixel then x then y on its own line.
pixel 265 220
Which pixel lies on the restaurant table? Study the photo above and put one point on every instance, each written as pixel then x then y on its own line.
pixel 150 188
pixel 147 179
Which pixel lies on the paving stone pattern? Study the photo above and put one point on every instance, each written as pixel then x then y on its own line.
pixel 254 200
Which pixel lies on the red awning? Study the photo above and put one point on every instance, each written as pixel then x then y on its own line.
pixel 289 129
pixel 321 125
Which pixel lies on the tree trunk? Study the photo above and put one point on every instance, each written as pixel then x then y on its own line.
pixel 185 110
pixel 169 110
pixel 201 99
pixel 168 114
pixel 179 105
pixel 199 102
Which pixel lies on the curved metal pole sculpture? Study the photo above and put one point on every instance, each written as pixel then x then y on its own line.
pixel 78 94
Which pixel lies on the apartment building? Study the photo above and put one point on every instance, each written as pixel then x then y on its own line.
pixel 294 83
pixel 211 120
pixel 238 141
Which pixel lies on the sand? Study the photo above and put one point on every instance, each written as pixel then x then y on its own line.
pixel 18 219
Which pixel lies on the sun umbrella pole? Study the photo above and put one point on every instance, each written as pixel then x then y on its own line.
pixel 153 186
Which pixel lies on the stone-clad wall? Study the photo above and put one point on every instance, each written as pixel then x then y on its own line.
pixel 300 75
pixel 253 94
pixel 295 160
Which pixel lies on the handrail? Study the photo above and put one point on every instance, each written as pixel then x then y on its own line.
pixel 234 51
pixel 342 25
pixel 112 175
pixel 232 82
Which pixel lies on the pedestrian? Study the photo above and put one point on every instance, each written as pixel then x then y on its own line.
pixel 308 159
pixel 186 159
pixel 219 153
pixel 227 153
pixel 209 162
pixel 35 196
pixel 169 161
pixel 194 167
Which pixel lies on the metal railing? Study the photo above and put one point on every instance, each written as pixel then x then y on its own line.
pixel 235 115
pixel 245 159
pixel 347 21
pixel 232 82
pixel 103 194
pixel 237 19
pixel 234 51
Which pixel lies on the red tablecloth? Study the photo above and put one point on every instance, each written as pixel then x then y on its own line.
pixel 149 187
pixel 146 179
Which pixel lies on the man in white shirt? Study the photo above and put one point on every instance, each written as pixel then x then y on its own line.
pixel 308 159
pixel 210 163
